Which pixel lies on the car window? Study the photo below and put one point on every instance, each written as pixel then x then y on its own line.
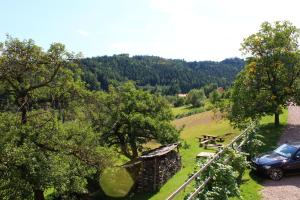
pixel 286 150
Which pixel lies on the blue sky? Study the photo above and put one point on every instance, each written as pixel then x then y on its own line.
pixel 184 29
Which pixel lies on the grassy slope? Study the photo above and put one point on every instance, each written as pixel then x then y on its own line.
pixel 181 110
pixel 189 108
pixel 204 123
pixel 250 189
pixel 196 125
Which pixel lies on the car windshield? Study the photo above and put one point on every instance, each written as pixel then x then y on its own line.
pixel 286 150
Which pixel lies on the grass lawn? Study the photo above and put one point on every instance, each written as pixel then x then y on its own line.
pixel 204 123
pixel 190 109
pixel 182 109
pixel 195 125
pixel 208 123
pixel 250 189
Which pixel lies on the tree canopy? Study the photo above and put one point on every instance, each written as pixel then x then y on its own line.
pixel 131 117
pixel 268 80
pixel 40 148
pixel 167 76
pixel 196 97
pixel 56 134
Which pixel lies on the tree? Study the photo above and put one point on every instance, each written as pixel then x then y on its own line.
pixel 215 96
pixel 53 155
pixel 209 88
pixel 133 118
pixel 179 101
pixel 39 146
pixel 171 75
pixel 196 97
pixel 268 80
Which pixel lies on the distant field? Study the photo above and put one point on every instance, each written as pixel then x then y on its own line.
pixel 182 110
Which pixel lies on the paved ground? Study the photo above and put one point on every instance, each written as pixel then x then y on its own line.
pixel 287 188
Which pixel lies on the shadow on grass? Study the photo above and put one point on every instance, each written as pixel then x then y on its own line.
pixel 257 178
pixel 271 135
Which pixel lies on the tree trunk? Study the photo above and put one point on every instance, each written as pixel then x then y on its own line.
pixel 39 195
pixel 125 151
pixel 134 150
pixel 133 147
pixel 22 103
pixel 276 118
pixel 24 115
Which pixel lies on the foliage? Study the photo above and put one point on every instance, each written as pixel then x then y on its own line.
pixel 208 88
pixel 196 97
pixel 215 96
pixel 238 160
pixel 221 175
pixel 180 101
pixel 269 78
pixel 129 118
pixel 165 76
pixel 225 173
pixel 253 141
pixel 46 153
pixel 44 143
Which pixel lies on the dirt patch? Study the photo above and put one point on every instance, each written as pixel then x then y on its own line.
pixel 289 187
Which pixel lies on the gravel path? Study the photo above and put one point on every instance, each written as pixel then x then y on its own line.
pixel 289 187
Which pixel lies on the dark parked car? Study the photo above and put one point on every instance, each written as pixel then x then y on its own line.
pixel 275 164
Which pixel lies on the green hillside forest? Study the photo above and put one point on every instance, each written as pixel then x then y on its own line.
pixel 168 76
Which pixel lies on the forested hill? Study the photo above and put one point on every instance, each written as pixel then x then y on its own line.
pixel 168 75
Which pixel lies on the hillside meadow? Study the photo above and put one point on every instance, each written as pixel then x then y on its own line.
pixel 211 123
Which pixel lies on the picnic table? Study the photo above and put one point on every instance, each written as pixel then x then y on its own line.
pixel 211 140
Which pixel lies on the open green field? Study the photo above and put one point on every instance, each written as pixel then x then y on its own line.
pixel 208 123
pixel 195 126
pixel 189 109
pixel 211 124
pixel 182 109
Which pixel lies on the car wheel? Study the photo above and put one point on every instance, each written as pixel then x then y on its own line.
pixel 275 174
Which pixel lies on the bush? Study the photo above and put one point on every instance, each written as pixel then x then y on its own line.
pixel 180 101
pixel 196 97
